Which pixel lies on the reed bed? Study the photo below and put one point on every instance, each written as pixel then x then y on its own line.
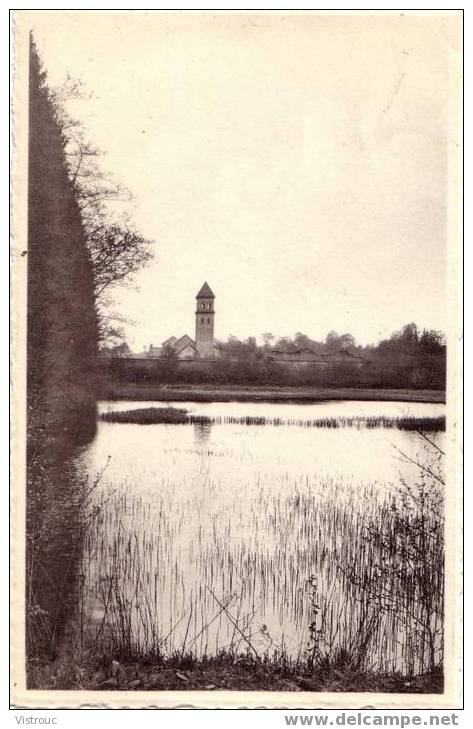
pixel 150 416
pixel 303 569
pixel 147 416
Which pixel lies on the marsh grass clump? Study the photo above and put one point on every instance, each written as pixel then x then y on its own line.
pixel 423 425
pixel 180 416
pixel 147 416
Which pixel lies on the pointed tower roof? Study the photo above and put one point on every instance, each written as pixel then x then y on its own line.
pixel 205 292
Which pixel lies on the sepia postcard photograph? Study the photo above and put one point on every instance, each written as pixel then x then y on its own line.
pixel 236 338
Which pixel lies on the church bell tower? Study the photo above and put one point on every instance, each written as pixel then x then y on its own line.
pixel 204 322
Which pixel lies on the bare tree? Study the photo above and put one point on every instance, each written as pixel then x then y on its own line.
pixel 116 249
pixel 268 339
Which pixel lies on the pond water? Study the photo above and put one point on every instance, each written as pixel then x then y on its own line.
pixel 206 537
pixel 290 410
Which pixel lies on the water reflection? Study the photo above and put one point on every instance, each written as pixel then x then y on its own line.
pixel 202 433
pixel 56 492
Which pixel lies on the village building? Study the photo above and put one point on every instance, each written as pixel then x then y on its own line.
pixel 204 348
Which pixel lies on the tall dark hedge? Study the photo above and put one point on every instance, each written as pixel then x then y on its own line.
pixel 62 321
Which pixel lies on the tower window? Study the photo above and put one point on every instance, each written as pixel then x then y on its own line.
pixel 202 320
pixel 208 320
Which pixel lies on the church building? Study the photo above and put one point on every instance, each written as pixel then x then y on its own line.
pixel 204 322
pixel 203 346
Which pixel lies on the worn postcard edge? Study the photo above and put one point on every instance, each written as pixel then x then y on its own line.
pixel 21 697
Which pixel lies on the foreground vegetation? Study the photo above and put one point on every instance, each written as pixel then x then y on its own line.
pixel 160 607
pixel 219 673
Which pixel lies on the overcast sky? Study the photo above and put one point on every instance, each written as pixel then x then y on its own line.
pixel 297 163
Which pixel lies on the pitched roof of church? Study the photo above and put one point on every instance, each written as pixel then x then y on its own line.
pixel 184 341
pixel 205 292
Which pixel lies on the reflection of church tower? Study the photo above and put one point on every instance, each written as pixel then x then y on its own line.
pixel 204 322
pixel 202 433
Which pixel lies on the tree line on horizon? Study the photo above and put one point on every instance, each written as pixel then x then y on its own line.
pixel 409 358
pixel 409 339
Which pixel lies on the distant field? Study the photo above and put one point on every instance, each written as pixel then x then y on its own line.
pixel 213 393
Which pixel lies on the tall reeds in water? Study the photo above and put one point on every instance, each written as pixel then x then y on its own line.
pixel 396 577
pixel 322 571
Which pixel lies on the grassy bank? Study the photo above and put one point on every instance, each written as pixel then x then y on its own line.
pixel 176 416
pixel 219 673
pixel 215 393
